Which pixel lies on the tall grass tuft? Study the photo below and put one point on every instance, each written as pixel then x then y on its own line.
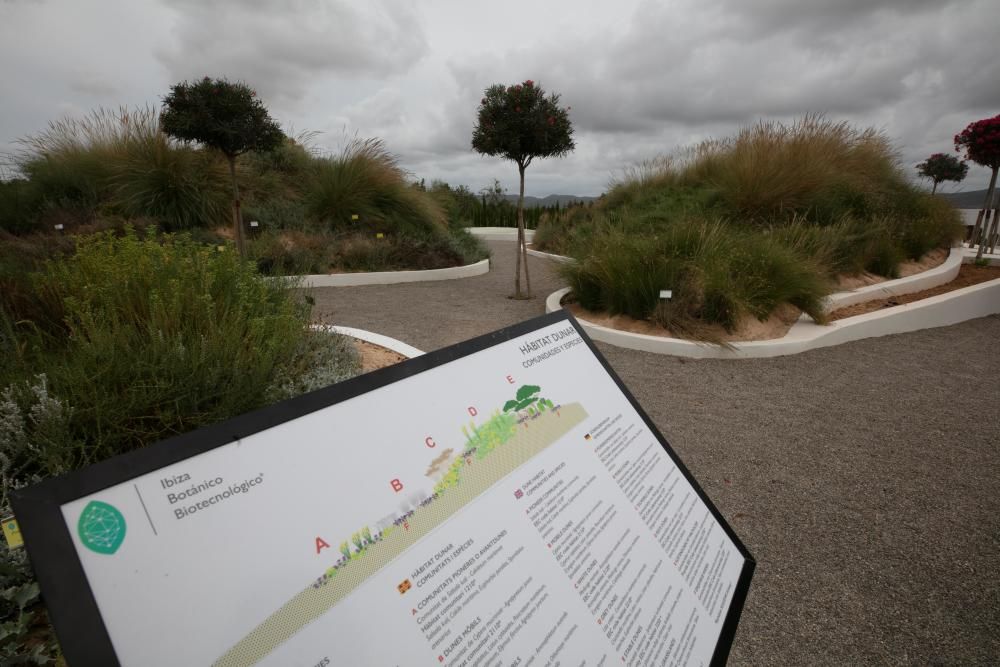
pixel 119 161
pixel 366 180
pixel 718 275
pixel 814 167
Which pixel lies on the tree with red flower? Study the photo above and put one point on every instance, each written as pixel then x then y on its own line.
pixel 981 143
pixel 942 167
pixel 225 116
pixel 521 123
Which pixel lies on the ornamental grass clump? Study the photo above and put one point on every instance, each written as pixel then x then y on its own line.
pixel 717 275
pixel 365 180
pixel 119 162
pixel 815 168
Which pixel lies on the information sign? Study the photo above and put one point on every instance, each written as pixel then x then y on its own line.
pixel 502 501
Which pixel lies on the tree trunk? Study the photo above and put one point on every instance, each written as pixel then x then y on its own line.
pixel 986 207
pixel 520 241
pixel 974 239
pixel 995 227
pixel 934 187
pixel 237 213
pixel 523 249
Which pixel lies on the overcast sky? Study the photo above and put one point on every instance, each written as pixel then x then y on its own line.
pixel 642 78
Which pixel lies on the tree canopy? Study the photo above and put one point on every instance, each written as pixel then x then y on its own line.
pixel 942 167
pixel 220 114
pixel 981 142
pixel 225 116
pixel 520 123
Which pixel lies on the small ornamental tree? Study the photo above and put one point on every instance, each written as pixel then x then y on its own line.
pixel 224 116
pixel 942 167
pixel 520 123
pixel 981 143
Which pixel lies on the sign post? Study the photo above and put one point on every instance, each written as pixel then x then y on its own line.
pixel 505 496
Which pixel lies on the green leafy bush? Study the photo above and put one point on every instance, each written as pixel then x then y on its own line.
pixel 129 340
pixel 20 206
pixel 146 339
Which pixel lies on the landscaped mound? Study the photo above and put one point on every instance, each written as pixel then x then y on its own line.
pixel 312 214
pixel 735 228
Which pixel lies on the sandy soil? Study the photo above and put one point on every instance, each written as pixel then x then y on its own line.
pixel 968 274
pixel 374 356
pixel 750 328
pixel 911 267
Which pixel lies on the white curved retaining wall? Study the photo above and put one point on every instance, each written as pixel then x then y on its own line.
pixel 918 282
pixel 938 311
pixel 392 277
pixel 501 233
pixel 371 337
pixel 562 259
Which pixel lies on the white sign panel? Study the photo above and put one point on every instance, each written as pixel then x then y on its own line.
pixel 501 502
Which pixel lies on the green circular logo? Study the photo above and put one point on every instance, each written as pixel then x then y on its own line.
pixel 101 527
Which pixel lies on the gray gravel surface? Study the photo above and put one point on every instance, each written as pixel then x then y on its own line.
pixel 864 478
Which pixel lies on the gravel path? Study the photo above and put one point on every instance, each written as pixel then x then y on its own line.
pixel 864 478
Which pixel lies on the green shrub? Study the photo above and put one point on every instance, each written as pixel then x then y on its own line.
pixel 291 252
pixel 127 341
pixel 148 339
pixel 321 359
pixel 35 442
pixel 276 213
pixel 20 206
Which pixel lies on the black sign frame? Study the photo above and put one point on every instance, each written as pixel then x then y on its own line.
pixel 66 592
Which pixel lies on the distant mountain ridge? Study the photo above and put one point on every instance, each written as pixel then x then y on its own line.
pixel 550 200
pixel 973 199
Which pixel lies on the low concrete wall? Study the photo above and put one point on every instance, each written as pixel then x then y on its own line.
pixel 500 233
pixel 402 348
pixel 561 259
pixel 918 282
pixel 937 311
pixel 392 277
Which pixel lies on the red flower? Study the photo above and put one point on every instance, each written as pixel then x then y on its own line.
pixel 529 83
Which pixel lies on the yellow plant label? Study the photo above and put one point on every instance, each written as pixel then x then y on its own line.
pixel 12 533
pixel 354 216
pixel 379 235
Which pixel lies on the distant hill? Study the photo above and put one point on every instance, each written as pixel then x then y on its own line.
pixel 551 200
pixel 973 199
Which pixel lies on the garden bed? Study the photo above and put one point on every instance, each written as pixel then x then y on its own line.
pixel 968 274
pixel 784 317
pixel 374 357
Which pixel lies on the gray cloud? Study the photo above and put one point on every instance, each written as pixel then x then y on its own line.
pixel 643 79
pixel 285 47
